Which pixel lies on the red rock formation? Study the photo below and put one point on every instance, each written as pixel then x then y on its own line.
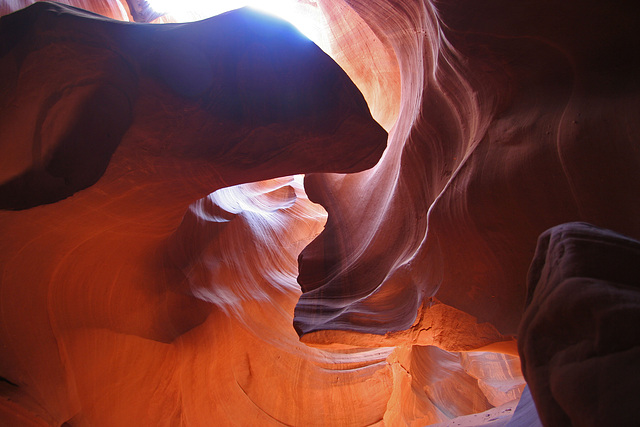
pixel 579 344
pixel 99 305
pixel 115 9
pixel 240 78
pixel 123 302
pixel 511 117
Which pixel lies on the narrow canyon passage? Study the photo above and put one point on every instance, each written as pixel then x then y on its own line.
pixel 217 222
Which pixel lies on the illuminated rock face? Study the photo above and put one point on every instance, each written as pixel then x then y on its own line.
pixel 130 297
pixel 227 93
pixel 514 117
pixel 112 293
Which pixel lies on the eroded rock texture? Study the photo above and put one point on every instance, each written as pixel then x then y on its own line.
pixel 130 295
pixel 226 94
pixel 514 117
pixel 579 350
pixel 109 132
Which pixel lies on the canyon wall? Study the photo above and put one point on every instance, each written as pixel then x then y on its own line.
pixel 386 287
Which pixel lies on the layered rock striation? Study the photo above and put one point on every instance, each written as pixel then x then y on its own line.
pixel 390 289
pixel 514 117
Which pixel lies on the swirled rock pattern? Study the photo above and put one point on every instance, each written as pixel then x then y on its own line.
pixel 110 132
pixel 132 295
pixel 511 118
pixel 227 93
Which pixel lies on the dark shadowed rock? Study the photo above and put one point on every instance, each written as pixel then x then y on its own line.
pixel 578 340
pixel 240 91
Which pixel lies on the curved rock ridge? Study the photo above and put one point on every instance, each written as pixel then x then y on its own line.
pixel 240 90
pixel 115 9
pixel 109 132
pixel 224 267
pixel 129 331
pixel 166 338
pixel 434 386
pixel 514 117
pixel 579 349
pixel 252 235
pixel 132 295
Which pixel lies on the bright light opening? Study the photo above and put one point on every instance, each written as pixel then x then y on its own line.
pixel 304 16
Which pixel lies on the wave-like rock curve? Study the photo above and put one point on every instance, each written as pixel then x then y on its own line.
pixel 512 118
pixel 130 296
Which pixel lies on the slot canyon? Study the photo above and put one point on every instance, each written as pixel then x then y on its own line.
pixel 430 216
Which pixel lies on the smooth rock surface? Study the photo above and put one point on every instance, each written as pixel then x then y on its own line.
pixel 237 91
pixel 113 312
pixel 129 296
pixel 578 341
pixel 514 117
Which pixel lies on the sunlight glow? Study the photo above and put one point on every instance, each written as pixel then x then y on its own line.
pixel 303 16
